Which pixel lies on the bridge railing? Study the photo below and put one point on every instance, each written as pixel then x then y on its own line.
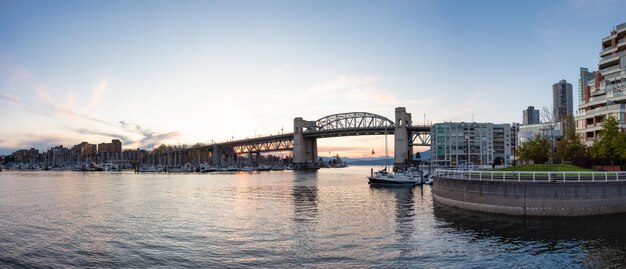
pixel 532 176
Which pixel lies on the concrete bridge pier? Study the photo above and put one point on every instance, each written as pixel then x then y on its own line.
pixel 223 156
pixel 216 156
pixel 403 153
pixel 304 149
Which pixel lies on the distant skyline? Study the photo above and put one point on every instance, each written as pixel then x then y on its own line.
pixel 186 72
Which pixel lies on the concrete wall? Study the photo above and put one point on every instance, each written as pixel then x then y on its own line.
pixel 532 199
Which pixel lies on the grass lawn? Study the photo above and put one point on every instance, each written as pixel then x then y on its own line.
pixel 544 167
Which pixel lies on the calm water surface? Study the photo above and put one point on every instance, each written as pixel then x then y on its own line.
pixel 330 218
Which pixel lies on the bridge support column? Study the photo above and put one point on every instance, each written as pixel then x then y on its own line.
pixel 217 157
pixel 403 154
pixel 304 149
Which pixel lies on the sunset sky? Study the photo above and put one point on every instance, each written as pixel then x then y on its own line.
pixel 183 72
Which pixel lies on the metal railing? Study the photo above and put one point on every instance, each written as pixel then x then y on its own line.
pixel 601 109
pixel 532 176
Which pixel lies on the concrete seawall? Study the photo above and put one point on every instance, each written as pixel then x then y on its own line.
pixel 532 198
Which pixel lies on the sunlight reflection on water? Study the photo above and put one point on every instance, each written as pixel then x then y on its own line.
pixel 329 218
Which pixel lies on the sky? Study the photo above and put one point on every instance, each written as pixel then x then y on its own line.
pixel 187 72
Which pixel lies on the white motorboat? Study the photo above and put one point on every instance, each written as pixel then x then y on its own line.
pixel 110 166
pixel 405 178
pixel 247 169
pixel 264 168
pixel 188 168
pixel 276 167
pixel 206 168
pixel 149 169
pixel 91 167
pixel 231 168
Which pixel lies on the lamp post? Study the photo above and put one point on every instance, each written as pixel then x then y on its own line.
pixel 468 152
pixel 515 129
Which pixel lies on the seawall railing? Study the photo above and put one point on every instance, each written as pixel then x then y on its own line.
pixel 532 176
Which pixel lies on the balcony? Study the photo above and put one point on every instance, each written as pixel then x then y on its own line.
pixel 608 50
pixel 619 107
pixel 615 76
pixel 608 38
pixel 609 70
pixel 612 58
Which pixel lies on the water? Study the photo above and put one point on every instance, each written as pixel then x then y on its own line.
pixel 329 219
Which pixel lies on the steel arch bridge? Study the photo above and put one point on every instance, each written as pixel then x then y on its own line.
pixel 350 124
pixel 336 125
pixel 354 120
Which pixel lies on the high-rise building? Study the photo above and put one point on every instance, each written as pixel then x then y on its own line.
pixel 110 151
pixel 84 151
pixel 605 94
pixel 585 77
pixel 58 156
pixel 530 116
pixel 562 100
pixel 26 155
pixel 134 156
pixel 459 143
pixel 114 147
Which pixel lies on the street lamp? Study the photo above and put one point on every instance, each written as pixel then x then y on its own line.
pixel 468 152
pixel 516 130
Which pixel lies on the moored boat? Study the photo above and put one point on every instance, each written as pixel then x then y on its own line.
pixel 231 168
pixel 205 168
pixel 264 168
pixel 405 178
pixel 110 166
pixel 90 167
pixel 149 169
pixel 247 169
pixel 400 176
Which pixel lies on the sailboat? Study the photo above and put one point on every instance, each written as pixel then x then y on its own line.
pixel 409 177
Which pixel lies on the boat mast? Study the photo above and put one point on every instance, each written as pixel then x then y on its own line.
pixel 386 157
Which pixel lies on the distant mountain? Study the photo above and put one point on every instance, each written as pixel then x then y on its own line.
pixel 368 161
pixel 375 161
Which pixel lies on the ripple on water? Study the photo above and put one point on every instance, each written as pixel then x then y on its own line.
pixel 329 219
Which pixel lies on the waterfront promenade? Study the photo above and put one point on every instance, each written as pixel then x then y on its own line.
pixel 532 193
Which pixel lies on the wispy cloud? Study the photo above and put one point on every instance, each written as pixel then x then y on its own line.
pixel 10 98
pixel 96 94
pixel 33 140
pixel 149 138
pixel 130 134
pixel 13 73
pixel 16 100
pixel 124 138
pixel 43 95
pixel 363 90
pixel 152 139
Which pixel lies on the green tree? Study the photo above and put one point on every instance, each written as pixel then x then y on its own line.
pixel 612 141
pixel 570 145
pixel 536 149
